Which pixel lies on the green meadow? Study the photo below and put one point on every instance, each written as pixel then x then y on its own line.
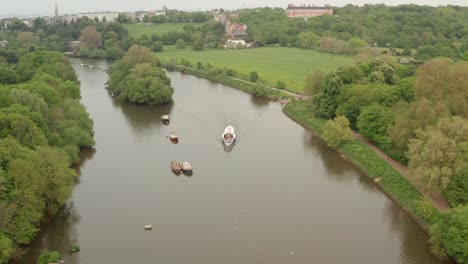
pixel 289 65
pixel 138 29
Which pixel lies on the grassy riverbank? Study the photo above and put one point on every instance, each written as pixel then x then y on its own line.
pixel 389 180
pixel 242 85
pixel 289 65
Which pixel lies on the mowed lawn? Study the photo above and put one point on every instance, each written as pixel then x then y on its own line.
pixel 290 65
pixel 138 29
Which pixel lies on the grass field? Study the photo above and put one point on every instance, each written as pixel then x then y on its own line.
pixel 138 29
pixel 289 65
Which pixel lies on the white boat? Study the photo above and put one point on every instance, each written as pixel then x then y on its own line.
pixel 165 119
pixel 229 136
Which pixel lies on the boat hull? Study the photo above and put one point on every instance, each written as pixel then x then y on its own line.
pixel 229 136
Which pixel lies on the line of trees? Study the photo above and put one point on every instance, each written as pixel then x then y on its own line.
pixel 42 128
pixel 99 39
pixel 434 31
pixel 418 116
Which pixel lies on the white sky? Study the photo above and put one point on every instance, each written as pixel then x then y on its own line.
pixel 46 7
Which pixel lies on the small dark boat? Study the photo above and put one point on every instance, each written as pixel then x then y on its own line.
pixel 186 167
pixel 176 167
pixel 165 119
pixel 173 138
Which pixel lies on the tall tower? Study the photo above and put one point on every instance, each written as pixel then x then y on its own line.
pixel 56 11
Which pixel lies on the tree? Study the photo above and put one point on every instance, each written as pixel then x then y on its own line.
pixel 138 54
pixel 457 189
pixel 260 90
pixel 253 76
pixel 180 44
pixel 7 76
pixel 313 82
pixel 450 234
pixel 26 38
pixel 307 40
pixel 157 46
pixel 198 43
pixel 337 132
pixel 90 37
pixel 373 123
pixel 6 248
pixel 354 45
pixel 439 152
pixel 442 80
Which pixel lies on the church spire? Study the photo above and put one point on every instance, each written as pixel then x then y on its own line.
pixel 56 10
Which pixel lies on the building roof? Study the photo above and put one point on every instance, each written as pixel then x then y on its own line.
pixel 309 7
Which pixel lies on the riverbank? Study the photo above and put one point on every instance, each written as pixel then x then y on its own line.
pixel 384 175
pixel 243 85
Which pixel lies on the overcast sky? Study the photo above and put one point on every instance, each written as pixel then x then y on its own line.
pixel 46 7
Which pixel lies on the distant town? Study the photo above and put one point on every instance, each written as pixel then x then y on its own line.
pixel 292 11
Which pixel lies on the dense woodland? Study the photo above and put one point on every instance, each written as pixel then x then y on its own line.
pixel 139 79
pixel 433 31
pixel 100 38
pixel 42 128
pixel 418 116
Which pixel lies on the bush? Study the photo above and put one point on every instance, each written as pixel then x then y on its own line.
pixel 260 90
pixel 47 257
pixel 280 85
pixel 337 132
pixel 451 233
pixel 157 46
pixel 253 76
pixel 457 189
pixel 74 248
pixel 180 44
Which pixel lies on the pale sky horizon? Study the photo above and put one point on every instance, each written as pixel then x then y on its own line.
pixel 25 8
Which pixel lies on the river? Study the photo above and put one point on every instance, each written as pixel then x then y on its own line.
pixel 278 196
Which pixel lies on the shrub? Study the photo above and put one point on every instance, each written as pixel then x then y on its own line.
pixel 337 131
pixel 457 189
pixel 260 90
pixel 253 76
pixel 47 257
pixel 280 85
pixel 451 233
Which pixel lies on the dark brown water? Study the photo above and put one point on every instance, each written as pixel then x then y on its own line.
pixel 278 196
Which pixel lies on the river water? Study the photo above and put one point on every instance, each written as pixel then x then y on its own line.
pixel 278 196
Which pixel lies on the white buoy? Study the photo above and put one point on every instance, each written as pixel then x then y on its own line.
pixel 148 227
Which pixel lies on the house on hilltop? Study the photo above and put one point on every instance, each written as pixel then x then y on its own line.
pixel 3 44
pixel 308 11
pixel 233 30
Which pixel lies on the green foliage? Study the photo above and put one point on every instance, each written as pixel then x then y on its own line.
pixel 451 234
pixel 157 46
pixel 35 178
pixel 253 76
pixel 337 132
pixel 260 90
pixel 180 44
pixel 307 40
pixel 439 152
pixel 280 85
pixel 6 248
pixel 373 123
pixel 74 248
pixel 314 82
pixel 138 79
pixel 198 43
pixel 457 189
pixel 47 257
pixel 7 76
